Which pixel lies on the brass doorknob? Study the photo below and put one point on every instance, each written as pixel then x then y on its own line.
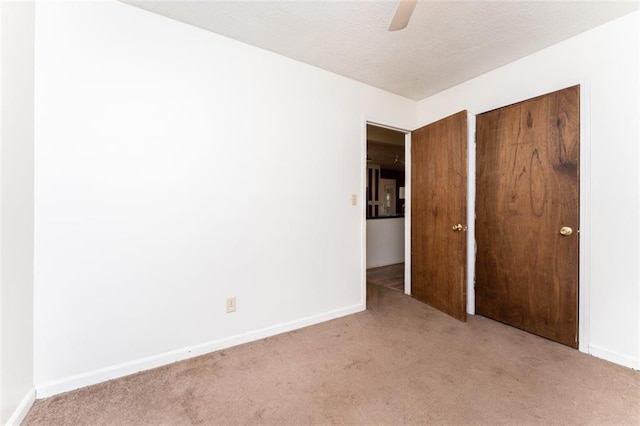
pixel 566 231
pixel 459 227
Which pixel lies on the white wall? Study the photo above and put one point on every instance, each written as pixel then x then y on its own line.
pixel 16 210
pixel 176 168
pixel 385 241
pixel 606 60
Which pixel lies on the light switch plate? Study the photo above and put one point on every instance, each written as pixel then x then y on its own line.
pixel 231 304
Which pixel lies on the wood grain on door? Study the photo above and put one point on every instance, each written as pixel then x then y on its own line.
pixel 527 194
pixel 438 204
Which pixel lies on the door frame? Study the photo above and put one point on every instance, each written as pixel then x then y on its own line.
pixel 407 202
pixel 584 257
pixel 471 213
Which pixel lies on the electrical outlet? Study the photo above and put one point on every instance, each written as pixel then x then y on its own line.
pixel 354 199
pixel 231 304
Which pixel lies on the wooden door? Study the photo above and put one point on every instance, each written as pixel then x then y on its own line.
pixel 438 203
pixel 527 191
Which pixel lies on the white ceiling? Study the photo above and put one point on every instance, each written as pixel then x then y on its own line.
pixel 446 42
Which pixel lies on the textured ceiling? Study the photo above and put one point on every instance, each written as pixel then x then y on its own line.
pixel 446 42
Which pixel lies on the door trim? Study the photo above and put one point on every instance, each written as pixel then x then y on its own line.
pixel 363 205
pixel 407 216
pixel 584 257
pixel 471 214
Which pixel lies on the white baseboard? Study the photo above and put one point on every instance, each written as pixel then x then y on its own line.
pixel 23 408
pixel 120 370
pixel 615 357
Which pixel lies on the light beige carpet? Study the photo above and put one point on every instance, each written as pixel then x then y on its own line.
pixel 400 362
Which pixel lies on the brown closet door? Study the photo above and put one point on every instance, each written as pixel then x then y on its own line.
pixel 438 203
pixel 527 215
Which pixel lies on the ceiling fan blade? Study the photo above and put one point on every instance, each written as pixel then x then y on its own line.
pixel 403 14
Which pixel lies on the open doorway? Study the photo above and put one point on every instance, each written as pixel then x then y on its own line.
pixel 386 203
